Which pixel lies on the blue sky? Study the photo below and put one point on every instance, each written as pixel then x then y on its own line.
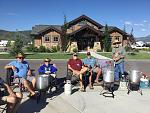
pixel 23 14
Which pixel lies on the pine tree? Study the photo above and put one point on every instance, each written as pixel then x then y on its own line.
pixel 106 40
pixel 17 47
pixel 64 40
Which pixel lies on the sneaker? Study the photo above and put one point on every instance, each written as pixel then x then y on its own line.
pixel 97 82
pixel 91 87
pixel 82 89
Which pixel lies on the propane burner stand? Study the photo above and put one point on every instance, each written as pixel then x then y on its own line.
pixel 134 87
pixel 108 89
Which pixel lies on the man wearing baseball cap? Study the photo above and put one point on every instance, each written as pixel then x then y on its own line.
pixel 90 62
pixel 76 68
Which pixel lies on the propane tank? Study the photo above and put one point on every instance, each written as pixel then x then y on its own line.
pixel 68 88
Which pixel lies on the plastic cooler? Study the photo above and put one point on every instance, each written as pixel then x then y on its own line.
pixel 144 83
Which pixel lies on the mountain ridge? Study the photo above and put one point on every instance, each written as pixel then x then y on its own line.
pixel 11 35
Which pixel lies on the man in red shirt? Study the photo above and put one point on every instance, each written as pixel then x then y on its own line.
pixel 76 68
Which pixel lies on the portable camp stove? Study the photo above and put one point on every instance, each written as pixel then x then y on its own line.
pixel 108 89
pixel 134 87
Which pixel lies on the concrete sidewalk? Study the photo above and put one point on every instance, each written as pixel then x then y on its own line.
pixel 90 102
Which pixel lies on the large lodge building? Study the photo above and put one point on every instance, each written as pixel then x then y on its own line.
pixel 85 33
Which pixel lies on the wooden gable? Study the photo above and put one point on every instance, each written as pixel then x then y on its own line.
pixel 82 21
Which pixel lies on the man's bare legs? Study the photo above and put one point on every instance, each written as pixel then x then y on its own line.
pixel 18 101
pixel 80 74
pixel 26 84
pixel 90 80
pixel 98 75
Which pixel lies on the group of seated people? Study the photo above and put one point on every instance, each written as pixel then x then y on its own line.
pixel 79 67
pixel 75 67
pixel 22 71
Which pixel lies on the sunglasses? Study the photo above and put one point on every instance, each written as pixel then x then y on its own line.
pixel 20 57
pixel 75 55
pixel 46 61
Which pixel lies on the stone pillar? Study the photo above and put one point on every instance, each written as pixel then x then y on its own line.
pixel 72 47
pixel 97 46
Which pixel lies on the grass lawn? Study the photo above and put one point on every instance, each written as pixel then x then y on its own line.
pixel 67 55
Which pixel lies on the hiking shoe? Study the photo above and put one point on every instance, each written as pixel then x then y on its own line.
pixel 91 87
pixel 82 89
pixel 97 82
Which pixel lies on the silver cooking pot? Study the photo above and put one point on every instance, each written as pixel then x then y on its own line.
pixel 42 82
pixel 135 76
pixel 108 76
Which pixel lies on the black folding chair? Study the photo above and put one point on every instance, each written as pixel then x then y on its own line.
pixel 13 81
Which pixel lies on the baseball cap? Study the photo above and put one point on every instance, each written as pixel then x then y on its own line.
pixel 88 53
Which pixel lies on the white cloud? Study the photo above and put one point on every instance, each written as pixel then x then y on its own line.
pixel 145 21
pixel 128 23
pixel 141 25
pixel 143 29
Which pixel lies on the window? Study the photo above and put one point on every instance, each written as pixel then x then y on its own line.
pixel 55 38
pixel 47 38
pixel 117 38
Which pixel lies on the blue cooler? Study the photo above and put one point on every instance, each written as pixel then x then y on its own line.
pixel 144 83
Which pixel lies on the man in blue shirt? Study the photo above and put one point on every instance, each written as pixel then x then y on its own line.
pixel 91 64
pixel 21 69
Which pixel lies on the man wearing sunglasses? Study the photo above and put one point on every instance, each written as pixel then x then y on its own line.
pixel 47 67
pixel 22 70
pixel 76 68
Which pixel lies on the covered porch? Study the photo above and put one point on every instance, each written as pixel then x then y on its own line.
pixel 86 38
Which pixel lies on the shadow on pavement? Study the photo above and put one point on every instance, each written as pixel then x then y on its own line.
pixel 31 106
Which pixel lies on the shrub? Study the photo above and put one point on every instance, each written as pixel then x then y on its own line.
pixel 30 48
pixel 48 50
pixel 75 50
pixel 54 49
pixel 42 49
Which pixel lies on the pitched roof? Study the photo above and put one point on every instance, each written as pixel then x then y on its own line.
pixel 84 17
pixel 85 27
pixel 39 29
pixel 113 28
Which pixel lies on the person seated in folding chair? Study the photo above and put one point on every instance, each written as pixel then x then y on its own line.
pixel 48 68
pixel 11 99
pixel 22 70
pixel 75 67
pixel 93 68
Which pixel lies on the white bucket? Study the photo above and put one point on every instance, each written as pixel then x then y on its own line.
pixel 68 88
